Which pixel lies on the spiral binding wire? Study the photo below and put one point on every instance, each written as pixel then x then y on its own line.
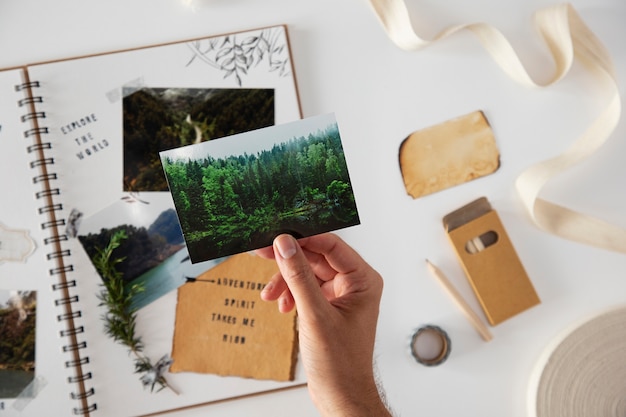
pixel 67 302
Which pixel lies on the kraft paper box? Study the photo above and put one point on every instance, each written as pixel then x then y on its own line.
pixel 489 260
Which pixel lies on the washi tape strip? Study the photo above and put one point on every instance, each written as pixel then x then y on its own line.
pixel 566 36
pixel 583 371
pixel 29 393
pixel 429 334
pixel 125 90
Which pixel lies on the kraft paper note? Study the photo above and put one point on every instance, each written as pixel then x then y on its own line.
pixel 448 154
pixel 567 37
pixel 223 327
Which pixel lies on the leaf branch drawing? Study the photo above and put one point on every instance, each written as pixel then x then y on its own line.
pixel 237 57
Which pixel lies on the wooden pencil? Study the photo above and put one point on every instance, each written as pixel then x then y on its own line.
pixel 473 318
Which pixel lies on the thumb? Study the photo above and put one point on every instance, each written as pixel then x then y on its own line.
pixel 297 273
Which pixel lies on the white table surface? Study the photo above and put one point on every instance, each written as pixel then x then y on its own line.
pixel 345 64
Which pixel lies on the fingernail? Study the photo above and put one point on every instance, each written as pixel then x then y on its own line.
pixel 286 246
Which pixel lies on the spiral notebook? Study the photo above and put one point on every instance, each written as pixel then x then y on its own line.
pixel 77 137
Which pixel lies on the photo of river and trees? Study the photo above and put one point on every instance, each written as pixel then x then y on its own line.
pixel 157 119
pixel 237 193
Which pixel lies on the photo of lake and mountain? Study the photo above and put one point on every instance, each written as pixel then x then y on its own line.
pixel 154 251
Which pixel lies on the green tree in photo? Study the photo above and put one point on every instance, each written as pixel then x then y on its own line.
pixel 299 184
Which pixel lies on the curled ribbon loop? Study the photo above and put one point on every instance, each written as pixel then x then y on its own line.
pixel 567 37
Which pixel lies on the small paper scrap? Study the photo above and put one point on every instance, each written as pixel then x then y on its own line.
pixel 15 245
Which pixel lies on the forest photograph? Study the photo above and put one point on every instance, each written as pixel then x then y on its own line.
pixel 18 318
pixel 157 119
pixel 237 193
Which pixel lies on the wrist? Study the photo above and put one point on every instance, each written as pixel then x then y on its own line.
pixel 354 402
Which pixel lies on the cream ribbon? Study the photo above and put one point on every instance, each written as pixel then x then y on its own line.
pixel 567 37
pixel 583 372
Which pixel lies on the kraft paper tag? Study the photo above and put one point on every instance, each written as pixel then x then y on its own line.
pixel 448 154
pixel 223 327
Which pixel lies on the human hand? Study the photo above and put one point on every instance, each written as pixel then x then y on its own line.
pixel 337 295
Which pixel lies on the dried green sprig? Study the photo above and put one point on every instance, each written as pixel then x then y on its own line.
pixel 120 320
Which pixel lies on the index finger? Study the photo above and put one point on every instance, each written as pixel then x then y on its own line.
pixel 340 256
